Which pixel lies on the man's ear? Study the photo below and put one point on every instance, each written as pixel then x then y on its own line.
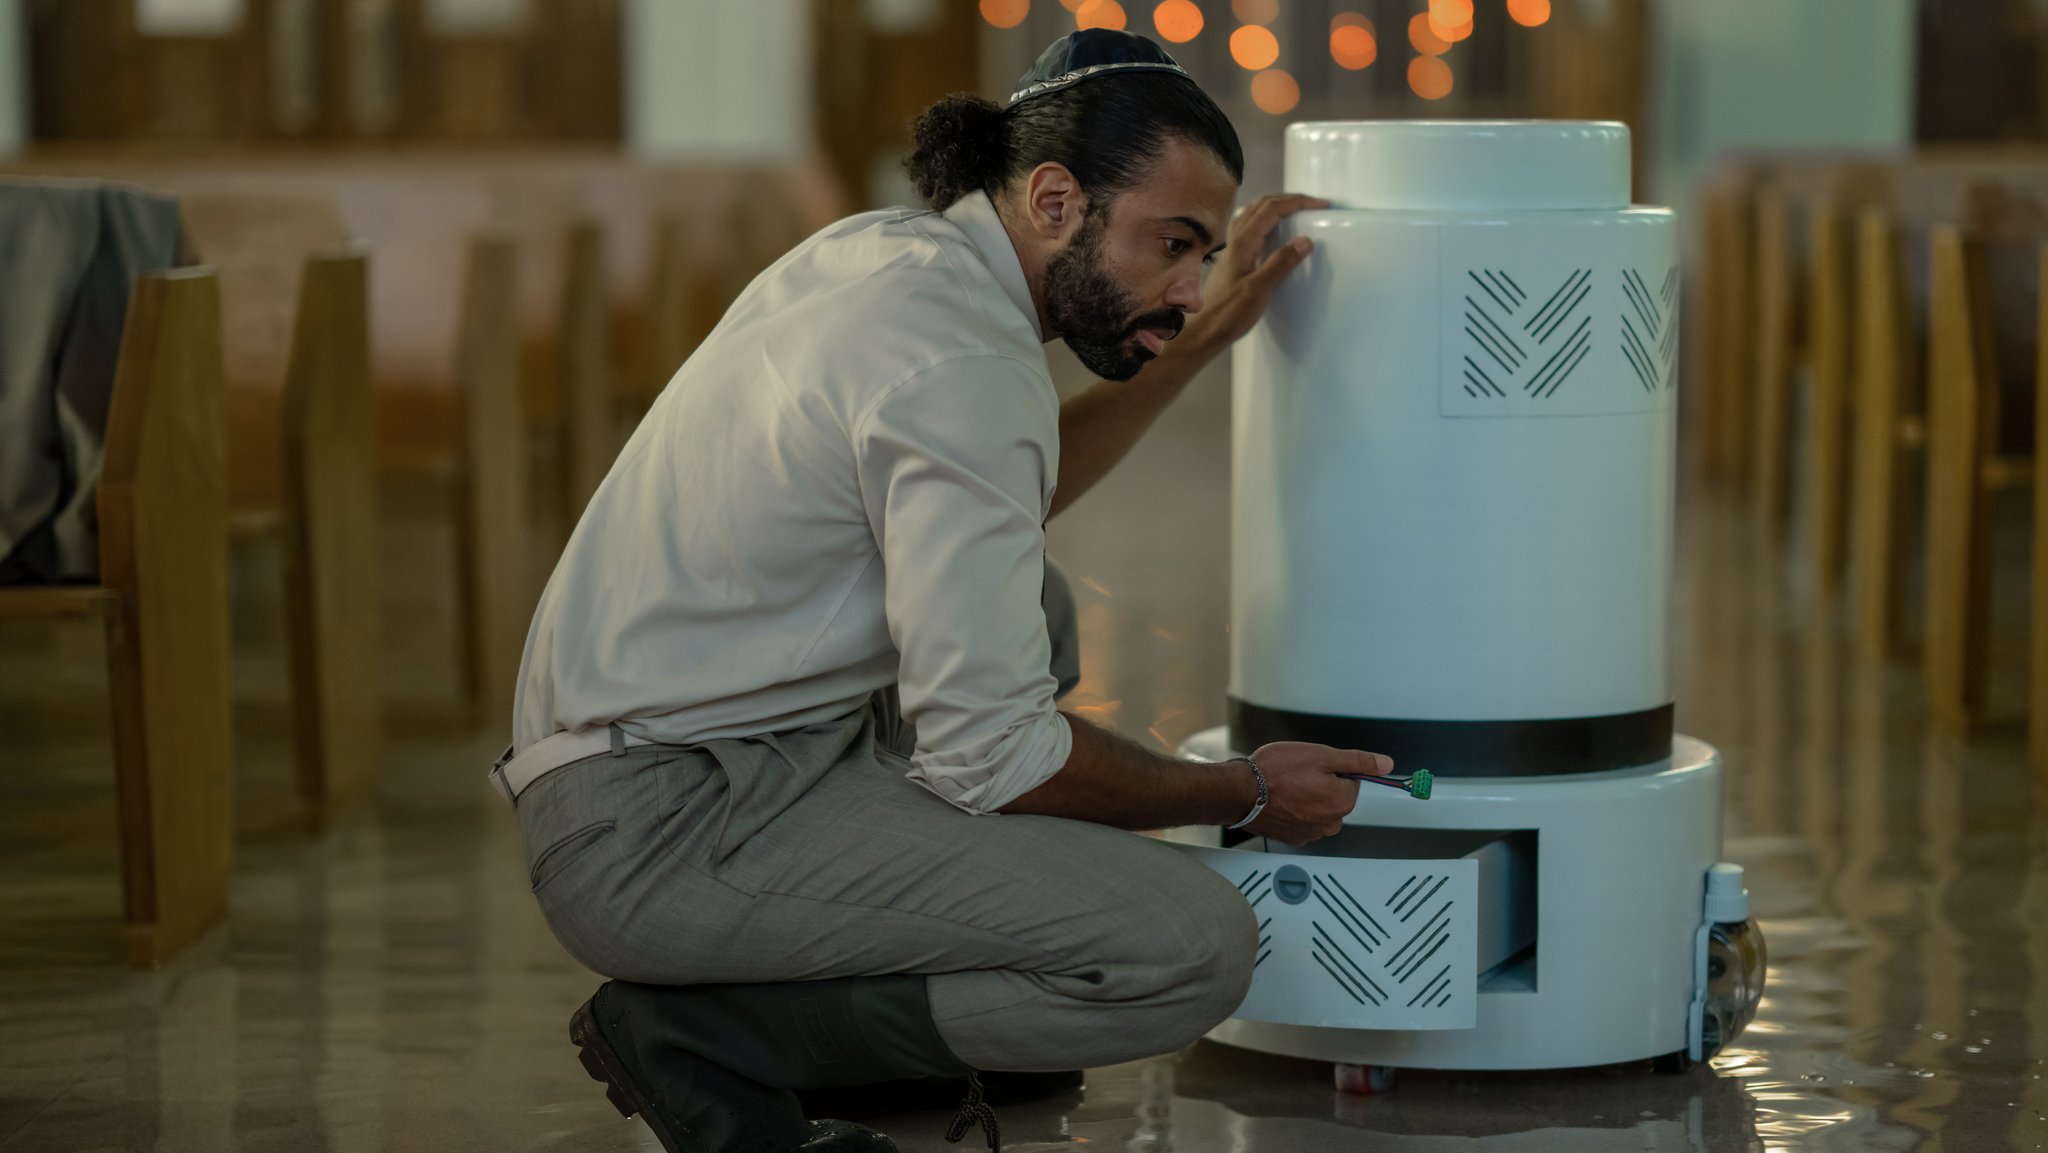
pixel 1053 203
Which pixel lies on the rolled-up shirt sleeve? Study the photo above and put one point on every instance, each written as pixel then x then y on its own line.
pixel 956 467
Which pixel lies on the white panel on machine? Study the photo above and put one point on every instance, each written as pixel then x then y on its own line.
pixel 1358 943
pixel 1559 320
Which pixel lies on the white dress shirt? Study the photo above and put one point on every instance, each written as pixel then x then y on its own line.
pixel 844 487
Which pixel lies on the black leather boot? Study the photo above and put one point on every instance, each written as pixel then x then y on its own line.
pixel 712 1068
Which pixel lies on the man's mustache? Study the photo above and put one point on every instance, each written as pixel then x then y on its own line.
pixel 1167 319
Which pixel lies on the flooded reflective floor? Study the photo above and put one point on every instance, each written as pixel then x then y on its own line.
pixel 391 987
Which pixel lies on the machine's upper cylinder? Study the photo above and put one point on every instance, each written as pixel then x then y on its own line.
pixel 1453 455
pixel 1461 166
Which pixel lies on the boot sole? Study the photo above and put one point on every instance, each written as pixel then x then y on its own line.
pixel 602 1062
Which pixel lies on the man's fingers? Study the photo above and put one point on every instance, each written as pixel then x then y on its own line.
pixel 1283 260
pixel 1258 219
pixel 1367 764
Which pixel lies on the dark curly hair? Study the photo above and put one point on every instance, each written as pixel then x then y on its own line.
pixel 1106 131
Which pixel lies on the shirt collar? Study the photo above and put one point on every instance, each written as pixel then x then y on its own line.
pixel 975 215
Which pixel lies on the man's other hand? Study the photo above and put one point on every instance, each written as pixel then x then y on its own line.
pixel 1307 798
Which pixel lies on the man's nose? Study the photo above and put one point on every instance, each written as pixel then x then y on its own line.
pixel 1185 294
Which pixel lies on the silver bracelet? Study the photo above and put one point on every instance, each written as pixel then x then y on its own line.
pixel 1258 806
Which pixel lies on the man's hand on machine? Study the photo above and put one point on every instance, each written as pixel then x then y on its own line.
pixel 1114 781
pixel 1307 795
pixel 1246 274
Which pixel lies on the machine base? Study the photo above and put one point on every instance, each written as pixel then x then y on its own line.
pixel 1579 951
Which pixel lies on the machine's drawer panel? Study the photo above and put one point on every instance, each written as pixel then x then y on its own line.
pixel 1358 943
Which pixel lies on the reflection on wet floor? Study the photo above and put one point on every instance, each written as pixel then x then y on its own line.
pixel 391 986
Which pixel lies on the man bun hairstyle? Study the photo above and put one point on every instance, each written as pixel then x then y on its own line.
pixel 1107 131
pixel 961 146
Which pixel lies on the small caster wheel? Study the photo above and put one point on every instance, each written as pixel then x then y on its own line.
pixel 1365 1080
pixel 1672 1064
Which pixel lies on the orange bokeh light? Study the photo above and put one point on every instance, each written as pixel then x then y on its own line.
pixel 1070 5
pixel 1005 13
pixel 1451 20
pixel 1100 14
pixel 1424 37
pixel 1353 47
pixel 1275 92
pixel 1529 13
pixel 1177 20
pixel 1352 20
pixel 1254 48
pixel 1450 13
pixel 1255 11
pixel 1429 77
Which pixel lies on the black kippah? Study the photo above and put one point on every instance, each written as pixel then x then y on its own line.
pixel 1089 53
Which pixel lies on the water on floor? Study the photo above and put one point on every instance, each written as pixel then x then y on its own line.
pixel 389 986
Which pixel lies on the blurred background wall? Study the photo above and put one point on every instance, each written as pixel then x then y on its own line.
pixel 1767 73
pixel 839 79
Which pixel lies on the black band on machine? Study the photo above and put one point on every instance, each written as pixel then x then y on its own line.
pixel 1550 747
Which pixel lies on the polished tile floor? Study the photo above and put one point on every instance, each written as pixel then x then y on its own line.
pixel 390 986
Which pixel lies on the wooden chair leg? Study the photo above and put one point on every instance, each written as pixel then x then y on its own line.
pixel 333 582
pixel 163 525
pixel 1958 511
pixel 1829 340
pixel 493 501
pixel 2037 711
pixel 1771 490
pixel 1877 528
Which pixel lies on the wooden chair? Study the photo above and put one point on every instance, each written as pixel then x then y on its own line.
pixel 302 459
pixel 669 321
pixel 1964 470
pixel 2037 688
pixel 1830 344
pixel 589 440
pixel 163 599
pixel 1777 356
pixel 492 534
pixel 333 581
pixel 1890 430
pixel 1720 421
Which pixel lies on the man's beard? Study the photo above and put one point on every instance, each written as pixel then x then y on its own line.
pixel 1095 316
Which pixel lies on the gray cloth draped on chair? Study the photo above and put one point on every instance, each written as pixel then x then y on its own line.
pixel 69 251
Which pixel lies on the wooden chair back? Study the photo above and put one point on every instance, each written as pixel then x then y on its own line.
pixel 333 580
pixel 492 530
pixel 163 548
pixel 1962 424
pixel 588 379
pixel 256 238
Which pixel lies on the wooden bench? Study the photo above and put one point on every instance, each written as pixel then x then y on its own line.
pixel 333 579
pixel 492 522
pixel 1890 430
pixel 1965 468
pixel 589 389
pixel 163 600
pixel 302 453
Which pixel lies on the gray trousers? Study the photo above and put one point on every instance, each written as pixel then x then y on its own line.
pixel 1047 943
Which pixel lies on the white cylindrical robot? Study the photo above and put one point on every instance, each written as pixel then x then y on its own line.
pixel 1452 507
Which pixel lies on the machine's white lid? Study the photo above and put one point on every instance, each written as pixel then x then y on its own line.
pixel 1461 165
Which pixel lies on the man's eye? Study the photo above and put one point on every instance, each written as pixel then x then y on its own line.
pixel 1177 248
